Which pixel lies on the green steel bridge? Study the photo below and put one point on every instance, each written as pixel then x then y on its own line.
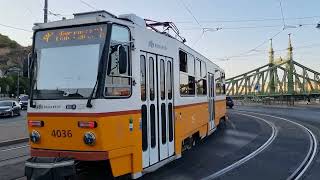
pixel 279 78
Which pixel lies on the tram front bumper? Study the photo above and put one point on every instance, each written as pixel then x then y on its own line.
pixel 50 168
pixel 78 155
pixel 121 160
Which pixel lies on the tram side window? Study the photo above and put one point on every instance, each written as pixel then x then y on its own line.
pixel 203 69
pixel 201 81
pixel 220 86
pixel 151 79
pixel 162 80
pixel 187 70
pixel 118 79
pixel 169 80
pixel 183 61
pixel 143 77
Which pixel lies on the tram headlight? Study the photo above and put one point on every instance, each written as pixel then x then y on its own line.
pixel 89 138
pixel 35 136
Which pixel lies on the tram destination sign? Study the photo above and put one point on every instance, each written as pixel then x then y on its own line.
pixel 73 34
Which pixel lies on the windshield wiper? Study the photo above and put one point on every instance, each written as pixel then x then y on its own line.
pixel 89 104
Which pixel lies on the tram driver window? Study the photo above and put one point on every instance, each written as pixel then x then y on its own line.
pixel 118 78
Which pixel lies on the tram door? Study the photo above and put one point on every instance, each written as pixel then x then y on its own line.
pixel 157 121
pixel 211 101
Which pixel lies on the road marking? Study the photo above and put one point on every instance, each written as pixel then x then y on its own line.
pixel 14 148
pixel 297 174
pixel 251 155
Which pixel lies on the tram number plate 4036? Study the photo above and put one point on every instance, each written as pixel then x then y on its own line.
pixel 58 133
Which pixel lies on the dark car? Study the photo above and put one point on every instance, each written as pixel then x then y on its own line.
pixel 9 108
pixel 229 102
pixel 23 101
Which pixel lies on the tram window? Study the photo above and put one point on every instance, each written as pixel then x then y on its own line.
pixel 151 78
pixel 163 123
pixel 202 87
pixel 169 80
pixel 198 69
pixel 170 122
pixel 162 80
pixel 117 84
pixel 153 125
pixel 203 69
pixel 143 77
pixel 183 61
pixel 187 84
pixel 144 127
pixel 218 87
pixel 190 65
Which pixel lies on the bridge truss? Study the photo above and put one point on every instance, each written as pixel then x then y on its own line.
pixel 276 79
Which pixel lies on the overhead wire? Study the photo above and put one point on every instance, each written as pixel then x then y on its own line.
pixel 196 20
pixel 89 5
pixel 190 12
pixel 246 53
pixel 265 41
pixel 265 52
pixel 282 16
pixel 16 28
pixel 250 20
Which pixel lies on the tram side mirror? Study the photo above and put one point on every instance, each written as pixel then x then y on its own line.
pixel 123 59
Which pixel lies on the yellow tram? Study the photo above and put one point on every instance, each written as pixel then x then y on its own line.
pixel 117 90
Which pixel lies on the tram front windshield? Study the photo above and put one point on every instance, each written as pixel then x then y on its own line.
pixel 67 60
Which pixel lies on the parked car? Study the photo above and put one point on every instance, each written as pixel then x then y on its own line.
pixel 9 108
pixel 229 102
pixel 23 101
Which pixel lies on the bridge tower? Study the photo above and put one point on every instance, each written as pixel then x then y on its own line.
pixel 272 70
pixel 290 68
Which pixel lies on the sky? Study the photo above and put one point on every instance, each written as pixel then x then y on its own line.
pixel 244 26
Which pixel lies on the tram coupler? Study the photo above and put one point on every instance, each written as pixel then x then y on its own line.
pixel 45 168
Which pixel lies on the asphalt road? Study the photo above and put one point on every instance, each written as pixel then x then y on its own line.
pixel 13 127
pixel 231 153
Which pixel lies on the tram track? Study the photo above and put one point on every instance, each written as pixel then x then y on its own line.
pixel 14 157
pixel 298 172
pixel 249 156
pixel 313 149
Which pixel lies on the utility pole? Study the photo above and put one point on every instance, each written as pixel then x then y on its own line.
pixel 18 88
pixel 45 11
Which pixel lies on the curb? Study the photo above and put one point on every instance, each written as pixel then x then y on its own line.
pixel 15 141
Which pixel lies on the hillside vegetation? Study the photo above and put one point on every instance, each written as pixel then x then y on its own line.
pixel 11 53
